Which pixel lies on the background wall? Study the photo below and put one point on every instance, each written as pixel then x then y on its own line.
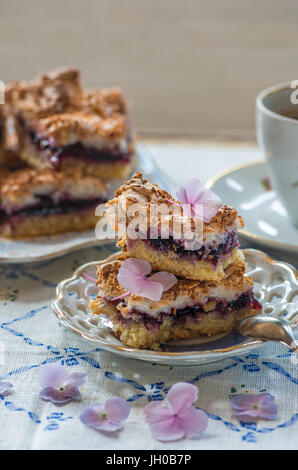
pixel 189 66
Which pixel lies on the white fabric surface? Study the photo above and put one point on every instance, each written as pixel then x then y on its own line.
pixel 30 335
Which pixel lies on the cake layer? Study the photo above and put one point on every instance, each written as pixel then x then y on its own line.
pixel 186 263
pixel 138 335
pixel 32 202
pixel 148 220
pixel 35 225
pixel 185 293
pixel 27 188
pixel 189 308
pixel 61 121
pixel 107 166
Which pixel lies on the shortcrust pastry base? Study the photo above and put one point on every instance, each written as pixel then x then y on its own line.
pixel 34 226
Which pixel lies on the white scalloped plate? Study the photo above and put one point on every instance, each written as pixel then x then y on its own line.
pixel 276 285
pixel 41 248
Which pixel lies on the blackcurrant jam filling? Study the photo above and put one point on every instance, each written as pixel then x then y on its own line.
pixel 212 254
pixel 110 154
pixel 180 315
pixel 46 207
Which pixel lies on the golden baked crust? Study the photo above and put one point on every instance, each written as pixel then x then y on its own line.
pixel 139 191
pixel 234 283
pixel 49 94
pixel 55 105
pixel 16 186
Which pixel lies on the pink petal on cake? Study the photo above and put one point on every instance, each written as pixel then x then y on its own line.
pixel 167 280
pixel 151 290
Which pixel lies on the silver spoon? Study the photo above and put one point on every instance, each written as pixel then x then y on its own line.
pixel 268 327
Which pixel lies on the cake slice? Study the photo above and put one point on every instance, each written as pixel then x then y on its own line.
pixel 44 202
pixel 188 309
pixel 217 247
pixel 62 126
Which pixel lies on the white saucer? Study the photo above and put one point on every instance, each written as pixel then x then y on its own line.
pixel 266 220
pixel 42 248
pixel 276 285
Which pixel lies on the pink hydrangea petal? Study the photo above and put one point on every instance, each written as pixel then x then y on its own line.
pixel 193 421
pixel 91 415
pixel 182 195
pixel 210 211
pixel 109 425
pixel 167 280
pixel 151 290
pixel 137 266
pixel 129 281
pixel 59 397
pixel 163 424
pixel 244 401
pixel 181 396
pixel 268 411
pixel 53 375
pixel 117 409
pixel 76 379
pixel 209 197
pixel 167 430
pixel 155 411
pixel 5 387
pixel 191 191
pixel 265 398
pixel 246 417
pixel 211 204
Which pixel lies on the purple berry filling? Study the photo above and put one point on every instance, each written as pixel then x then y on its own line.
pixel 109 154
pixel 204 253
pixel 47 207
pixel 245 300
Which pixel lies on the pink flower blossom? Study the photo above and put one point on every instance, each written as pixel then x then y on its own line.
pixel 179 418
pixel 251 407
pixel 58 385
pixel 132 277
pixel 107 417
pixel 5 387
pixel 203 202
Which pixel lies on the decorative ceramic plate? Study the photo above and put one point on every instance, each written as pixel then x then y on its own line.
pixel 276 285
pixel 247 188
pixel 41 248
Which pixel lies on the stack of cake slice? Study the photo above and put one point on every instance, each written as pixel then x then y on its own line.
pixel 60 146
pixel 212 292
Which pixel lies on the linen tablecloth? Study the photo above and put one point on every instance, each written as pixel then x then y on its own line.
pixel 31 335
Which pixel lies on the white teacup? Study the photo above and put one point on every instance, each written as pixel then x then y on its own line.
pixel 277 133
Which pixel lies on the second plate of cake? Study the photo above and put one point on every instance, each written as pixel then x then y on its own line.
pixel 35 248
